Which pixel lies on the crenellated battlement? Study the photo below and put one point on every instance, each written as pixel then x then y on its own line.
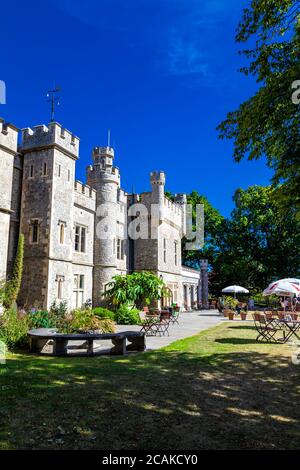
pixel 173 206
pixel 97 172
pixel 103 151
pixel 84 189
pixel 158 177
pixel 8 136
pixel 53 135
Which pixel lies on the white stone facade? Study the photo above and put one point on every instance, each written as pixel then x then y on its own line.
pixel 65 259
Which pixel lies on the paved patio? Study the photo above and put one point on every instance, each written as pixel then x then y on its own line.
pixel 190 323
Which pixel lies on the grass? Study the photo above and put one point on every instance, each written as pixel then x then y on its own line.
pixel 217 390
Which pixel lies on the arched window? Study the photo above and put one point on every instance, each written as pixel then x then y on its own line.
pixel 59 289
pixel 62 234
pixel 60 284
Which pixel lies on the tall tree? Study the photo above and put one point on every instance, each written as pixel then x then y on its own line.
pixel 268 123
pixel 258 242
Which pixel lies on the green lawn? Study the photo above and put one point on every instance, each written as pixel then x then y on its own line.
pixel 217 390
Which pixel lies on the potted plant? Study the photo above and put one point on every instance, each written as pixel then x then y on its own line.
pixel 230 315
pixel 230 305
pixel 243 315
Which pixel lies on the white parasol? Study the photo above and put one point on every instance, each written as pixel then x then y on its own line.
pixel 235 290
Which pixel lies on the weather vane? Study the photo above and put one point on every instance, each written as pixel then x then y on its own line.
pixel 53 98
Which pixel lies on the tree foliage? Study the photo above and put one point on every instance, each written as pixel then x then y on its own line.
pixel 268 123
pixel 258 243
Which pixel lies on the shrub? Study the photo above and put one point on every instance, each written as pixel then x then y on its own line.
pixel 102 312
pixel 12 287
pixel 2 294
pixel 81 320
pixel 59 314
pixel 107 326
pixel 42 319
pixel 58 310
pixel 230 302
pixel 138 288
pixel 127 316
pixel 85 320
pixel 13 329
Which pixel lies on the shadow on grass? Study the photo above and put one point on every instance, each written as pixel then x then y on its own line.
pixel 242 327
pixel 236 341
pixel 157 400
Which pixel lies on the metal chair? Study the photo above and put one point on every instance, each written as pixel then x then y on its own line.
pixel 268 328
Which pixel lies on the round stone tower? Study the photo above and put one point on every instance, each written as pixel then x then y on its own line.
pixel 105 179
pixel 158 181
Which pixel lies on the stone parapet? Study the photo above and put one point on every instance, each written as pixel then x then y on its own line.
pixel 8 136
pixel 53 135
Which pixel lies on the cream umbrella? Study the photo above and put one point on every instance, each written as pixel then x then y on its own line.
pixel 235 290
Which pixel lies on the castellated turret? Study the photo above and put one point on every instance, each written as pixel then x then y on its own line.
pixel 53 135
pixel 8 150
pixel 105 179
pixel 158 181
pixel 49 154
pixel 180 198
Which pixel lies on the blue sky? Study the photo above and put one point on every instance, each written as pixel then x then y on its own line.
pixel 161 74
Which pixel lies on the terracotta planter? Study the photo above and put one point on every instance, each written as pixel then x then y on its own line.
pixel 243 316
pixel 230 315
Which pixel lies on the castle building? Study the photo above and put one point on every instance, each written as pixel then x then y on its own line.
pixel 78 236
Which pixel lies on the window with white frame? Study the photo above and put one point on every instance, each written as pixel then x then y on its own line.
pixel 120 248
pixel 78 290
pixel 165 250
pixel 175 253
pixel 80 238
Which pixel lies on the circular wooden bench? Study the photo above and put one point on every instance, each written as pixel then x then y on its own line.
pixel 39 338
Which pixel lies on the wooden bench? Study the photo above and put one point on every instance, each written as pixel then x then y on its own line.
pixel 38 339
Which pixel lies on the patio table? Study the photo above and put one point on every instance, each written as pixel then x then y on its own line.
pixel 292 327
